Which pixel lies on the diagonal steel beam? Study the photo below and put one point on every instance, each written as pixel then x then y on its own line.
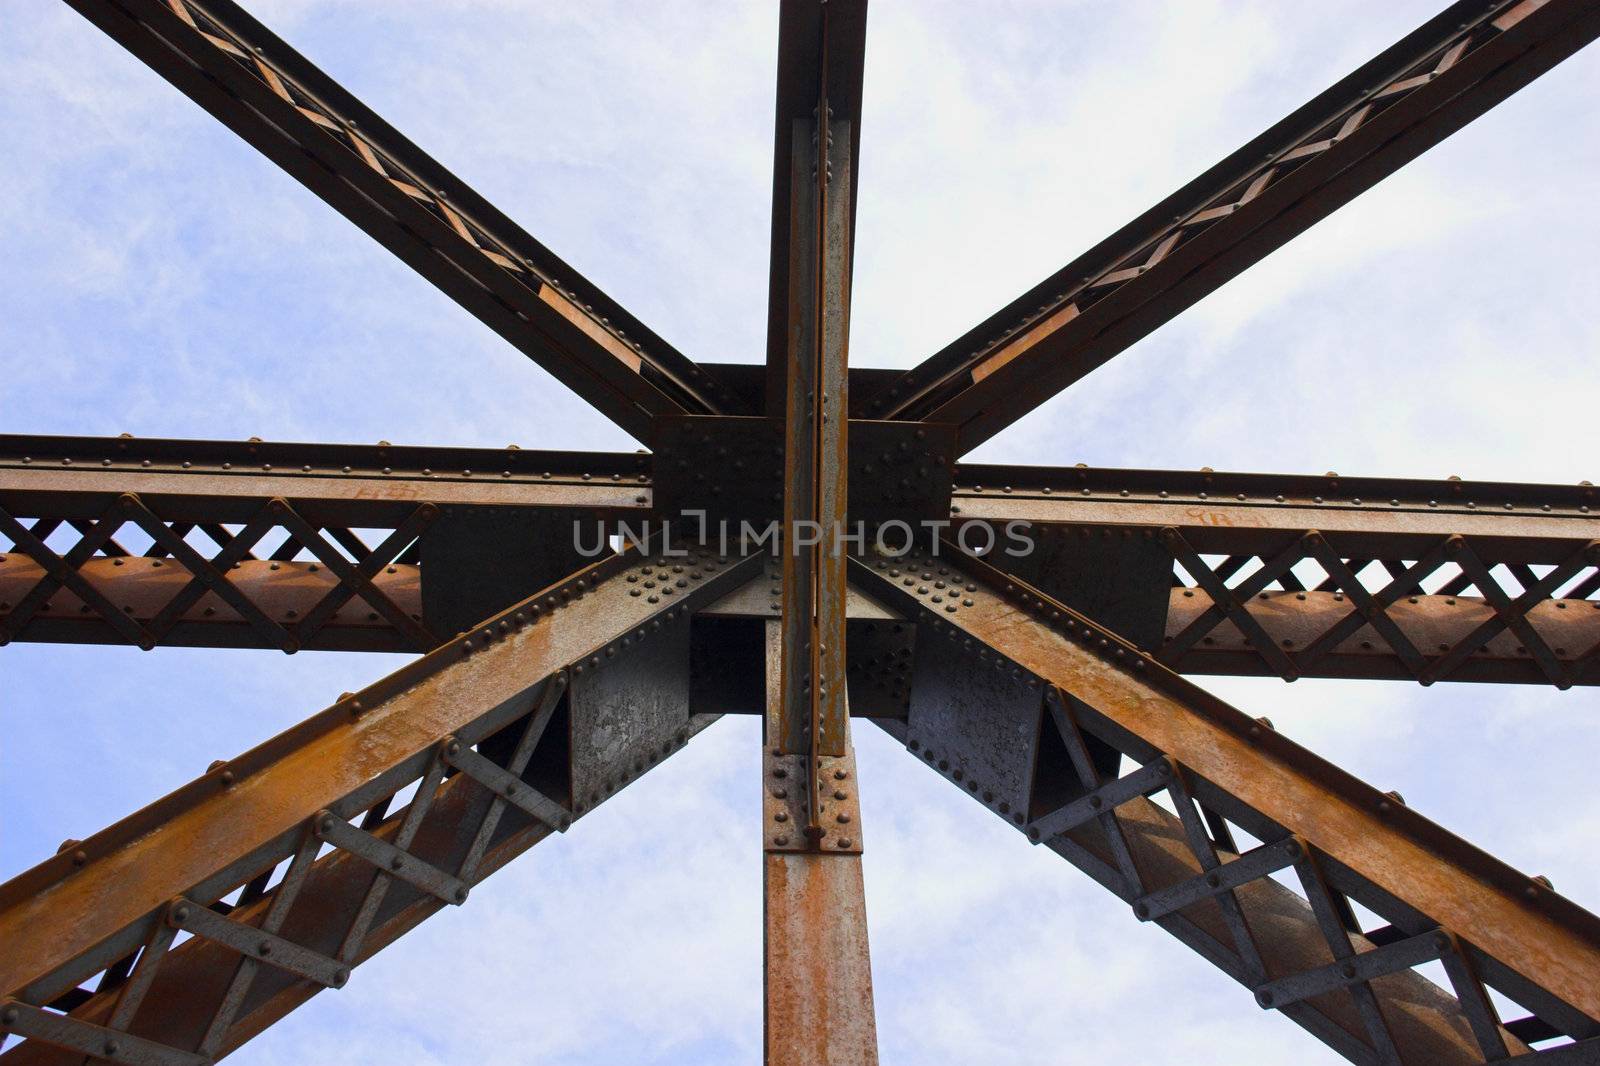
pixel 294 114
pixel 595 667
pixel 1299 576
pixel 1010 683
pixel 1436 80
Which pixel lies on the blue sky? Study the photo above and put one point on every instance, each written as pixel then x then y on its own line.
pixel 161 278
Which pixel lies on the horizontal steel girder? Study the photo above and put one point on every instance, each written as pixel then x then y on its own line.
pixel 1448 72
pixel 1292 605
pixel 1298 576
pixel 513 730
pixel 1148 783
pixel 357 485
pixel 288 546
pixel 275 99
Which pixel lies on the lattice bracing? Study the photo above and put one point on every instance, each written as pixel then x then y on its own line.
pixel 1249 849
pixel 1044 682
pixel 286 581
pixel 329 841
pixel 1445 580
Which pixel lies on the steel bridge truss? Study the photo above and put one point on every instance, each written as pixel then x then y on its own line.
pixel 1047 684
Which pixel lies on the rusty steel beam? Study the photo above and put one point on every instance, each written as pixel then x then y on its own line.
pixel 1084 743
pixel 258 86
pixel 288 546
pixel 1299 576
pixel 818 977
pixel 823 57
pixel 356 485
pixel 1231 512
pixel 142 588
pixel 821 54
pixel 513 730
pixel 1454 68
pixel 1359 647
pixel 818 971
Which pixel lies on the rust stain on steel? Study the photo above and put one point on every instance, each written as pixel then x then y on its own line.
pixel 818 971
pixel 590 328
pixel 44 923
pixel 1557 957
pixel 1433 623
pixel 1428 1026
pixel 1046 327
pixel 1390 523
pixel 484 488
pixel 142 587
pixel 318 921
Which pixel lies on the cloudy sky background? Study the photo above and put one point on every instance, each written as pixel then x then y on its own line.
pixel 161 278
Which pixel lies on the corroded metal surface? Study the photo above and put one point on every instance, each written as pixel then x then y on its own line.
pixel 818 974
pixel 293 113
pixel 818 969
pixel 1435 81
pixel 77 915
pixel 1510 929
pixel 191 926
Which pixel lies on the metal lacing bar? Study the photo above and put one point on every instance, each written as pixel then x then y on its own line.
pixel 549 700
pixel 232 549
pixel 503 783
pixel 1251 966
pixel 110 1045
pixel 1231 602
pixel 1369 608
pixel 1334 919
pixel 1511 614
pixel 386 856
pixel 1253 864
pixel 257 943
pixel 244 974
pixel 63 572
pixel 357 579
pixel 421 801
pixel 1101 801
pixel 204 572
pixel 1361 966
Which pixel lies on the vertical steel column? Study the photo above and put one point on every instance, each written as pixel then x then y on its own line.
pixel 818 972
pixel 818 969
pixel 812 713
